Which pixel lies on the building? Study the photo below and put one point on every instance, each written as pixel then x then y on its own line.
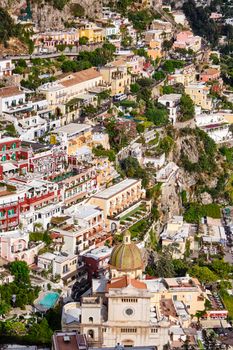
pixel 15 245
pixel 69 341
pixel 71 86
pixel 12 99
pixel 186 40
pixel 119 197
pixel 74 136
pixel 184 76
pixel 54 38
pixel 178 233
pixel 209 74
pixel 199 93
pixel 215 125
pixel 132 311
pixel 116 75
pixel 171 101
pixel 6 68
pixel 92 32
pixel 97 261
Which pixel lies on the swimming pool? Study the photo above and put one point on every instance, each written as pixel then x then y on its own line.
pixel 49 300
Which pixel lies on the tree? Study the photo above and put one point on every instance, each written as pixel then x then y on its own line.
pixel 40 333
pixel 77 10
pixel 20 270
pixel 83 40
pixel 163 265
pixel 69 66
pixel 203 274
pixel 187 109
pixel 10 130
pixel 4 307
pixel 134 88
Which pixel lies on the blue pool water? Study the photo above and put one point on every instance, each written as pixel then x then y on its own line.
pixel 49 300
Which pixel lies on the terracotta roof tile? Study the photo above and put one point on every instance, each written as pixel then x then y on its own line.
pixel 80 77
pixel 10 91
pixel 123 282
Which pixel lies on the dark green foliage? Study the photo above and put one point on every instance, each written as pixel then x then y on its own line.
pixel 83 40
pixel 131 168
pixel 157 114
pixel 20 270
pixel 77 10
pixel 8 28
pixel 203 274
pixel 187 109
pixel 200 22
pixel 159 75
pixel 140 19
pixel 171 65
pixel 99 151
pixel 40 333
pixel 10 130
pixel 195 211
pixel 40 236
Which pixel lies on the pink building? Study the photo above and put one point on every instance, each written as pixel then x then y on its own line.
pixel 186 40
pixel 210 74
pixel 15 245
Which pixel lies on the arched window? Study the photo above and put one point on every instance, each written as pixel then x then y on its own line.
pixel 91 319
pixel 90 333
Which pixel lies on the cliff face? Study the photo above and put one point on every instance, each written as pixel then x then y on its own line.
pixel 45 16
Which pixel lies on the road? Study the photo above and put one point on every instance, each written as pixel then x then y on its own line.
pixel 56 54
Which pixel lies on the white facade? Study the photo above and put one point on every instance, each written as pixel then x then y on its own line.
pixel 215 125
pixel 6 68
pixel 171 101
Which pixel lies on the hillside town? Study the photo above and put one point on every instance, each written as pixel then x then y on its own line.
pixel 116 175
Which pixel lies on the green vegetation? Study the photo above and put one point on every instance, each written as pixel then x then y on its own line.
pixel 40 236
pixel 200 22
pixel 99 151
pixel 187 110
pixel 77 10
pixel 157 114
pixel 8 28
pixel 131 168
pixel 138 229
pixel 195 211
pixel 170 66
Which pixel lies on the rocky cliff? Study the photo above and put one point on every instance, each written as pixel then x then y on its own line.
pixel 47 16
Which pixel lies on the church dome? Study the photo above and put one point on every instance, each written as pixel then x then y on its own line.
pixel 126 256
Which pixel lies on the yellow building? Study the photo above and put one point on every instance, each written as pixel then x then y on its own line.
pixel 117 76
pixel 137 312
pixel 155 49
pixel 74 136
pixel 119 197
pixel 185 76
pixel 71 86
pixel 199 93
pixel 91 31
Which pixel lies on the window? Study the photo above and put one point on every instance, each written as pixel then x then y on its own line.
pixel 129 312
pixel 3 158
pixel 11 212
pixel 154 330
pixel 129 300
pixel 13 145
pixel 3 147
pixel 128 330
pixel 90 333
pixel 91 319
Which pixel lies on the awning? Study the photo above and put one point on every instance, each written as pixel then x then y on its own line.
pixel 9 167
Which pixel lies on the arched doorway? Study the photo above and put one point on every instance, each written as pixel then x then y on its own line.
pixel 128 343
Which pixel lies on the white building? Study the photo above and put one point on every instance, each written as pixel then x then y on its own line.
pixel 215 125
pixel 171 101
pixel 6 68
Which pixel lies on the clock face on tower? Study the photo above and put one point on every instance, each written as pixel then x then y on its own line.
pixel 129 311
